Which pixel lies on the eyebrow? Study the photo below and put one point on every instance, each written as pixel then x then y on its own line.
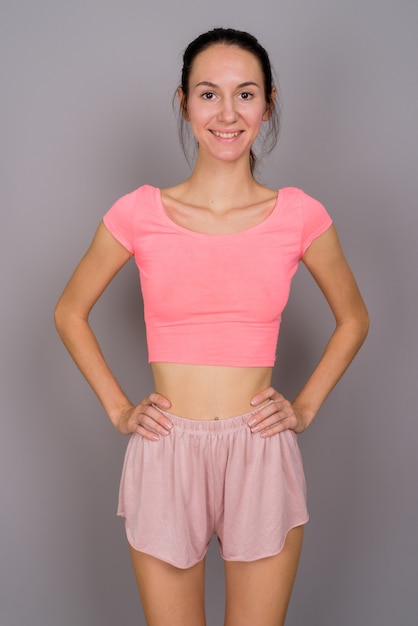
pixel 249 83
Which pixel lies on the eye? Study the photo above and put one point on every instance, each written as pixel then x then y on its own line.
pixel 246 95
pixel 208 95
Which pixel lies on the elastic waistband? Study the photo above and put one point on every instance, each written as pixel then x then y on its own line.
pixel 209 426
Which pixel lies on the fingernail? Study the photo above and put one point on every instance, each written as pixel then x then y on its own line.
pixel 252 421
pixel 168 425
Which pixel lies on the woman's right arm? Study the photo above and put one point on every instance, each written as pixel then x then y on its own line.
pixel 103 260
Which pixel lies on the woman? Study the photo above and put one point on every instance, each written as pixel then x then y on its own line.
pixel 213 449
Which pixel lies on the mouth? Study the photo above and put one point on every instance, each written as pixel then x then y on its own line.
pixel 226 135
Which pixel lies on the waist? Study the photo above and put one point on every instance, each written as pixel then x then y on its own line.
pixel 207 392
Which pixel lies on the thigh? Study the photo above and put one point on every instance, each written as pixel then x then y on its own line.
pixel 169 595
pixel 258 592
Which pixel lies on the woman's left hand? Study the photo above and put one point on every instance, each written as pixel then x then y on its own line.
pixel 276 414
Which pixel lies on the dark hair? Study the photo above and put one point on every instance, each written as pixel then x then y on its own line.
pixel 245 41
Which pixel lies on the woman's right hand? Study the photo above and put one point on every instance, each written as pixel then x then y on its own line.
pixel 145 419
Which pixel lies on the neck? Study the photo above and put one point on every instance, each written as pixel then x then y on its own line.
pixel 222 183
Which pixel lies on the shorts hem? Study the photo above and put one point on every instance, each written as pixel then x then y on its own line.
pixel 265 555
pixel 163 558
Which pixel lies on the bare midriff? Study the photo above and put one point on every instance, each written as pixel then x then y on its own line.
pixel 207 392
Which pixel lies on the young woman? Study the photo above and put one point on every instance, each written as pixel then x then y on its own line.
pixel 213 450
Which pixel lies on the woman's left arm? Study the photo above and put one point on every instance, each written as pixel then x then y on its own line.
pixel 326 262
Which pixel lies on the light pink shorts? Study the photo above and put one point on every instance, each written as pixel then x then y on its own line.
pixel 212 477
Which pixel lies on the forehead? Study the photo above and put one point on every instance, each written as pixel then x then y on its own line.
pixel 222 61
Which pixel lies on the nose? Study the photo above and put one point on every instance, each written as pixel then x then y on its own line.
pixel 227 112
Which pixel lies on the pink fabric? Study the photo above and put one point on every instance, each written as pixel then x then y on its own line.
pixel 215 299
pixel 212 477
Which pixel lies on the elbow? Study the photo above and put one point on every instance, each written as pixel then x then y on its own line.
pixel 67 319
pixel 362 325
pixel 59 318
pixel 355 327
pixel 63 318
pixel 365 322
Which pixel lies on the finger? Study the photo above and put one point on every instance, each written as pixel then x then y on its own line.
pixel 153 420
pixel 157 398
pixel 275 418
pixel 146 433
pixel 277 428
pixel 277 423
pixel 156 415
pixel 264 395
pixel 275 410
pixel 269 422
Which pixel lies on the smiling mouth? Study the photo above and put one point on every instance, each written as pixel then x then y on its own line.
pixel 218 133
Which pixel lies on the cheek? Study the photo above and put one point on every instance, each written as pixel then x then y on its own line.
pixel 194 114
pixel 257 118
pixel 199 119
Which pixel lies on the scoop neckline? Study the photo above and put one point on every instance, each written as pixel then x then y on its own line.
pixel 197 233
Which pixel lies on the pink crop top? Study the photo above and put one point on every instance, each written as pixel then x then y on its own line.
pixel 215 299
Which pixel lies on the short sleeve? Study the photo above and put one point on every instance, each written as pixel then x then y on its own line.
pixel 316 221
pixel 120 221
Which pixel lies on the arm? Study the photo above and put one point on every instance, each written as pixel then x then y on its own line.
pixel 103 260
pixel 325 261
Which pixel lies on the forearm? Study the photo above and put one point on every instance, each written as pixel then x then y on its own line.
pixel 84 348
pixel 339 352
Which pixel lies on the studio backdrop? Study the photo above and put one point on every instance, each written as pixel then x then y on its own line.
pixel 86 116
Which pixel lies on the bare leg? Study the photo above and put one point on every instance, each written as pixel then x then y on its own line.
pixel 258 592
pixel 169 595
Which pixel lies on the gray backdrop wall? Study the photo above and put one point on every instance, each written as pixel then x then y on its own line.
pixel 86 90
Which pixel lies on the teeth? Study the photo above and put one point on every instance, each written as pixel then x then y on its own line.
pixel 225 135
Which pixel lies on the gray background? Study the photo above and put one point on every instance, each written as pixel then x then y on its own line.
pixel 86 90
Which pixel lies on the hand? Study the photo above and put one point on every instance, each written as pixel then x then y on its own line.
pixel 276 414
pixel 145 419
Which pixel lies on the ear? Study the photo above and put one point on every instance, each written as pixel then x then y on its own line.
pixel 182 103
pixel 270 106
